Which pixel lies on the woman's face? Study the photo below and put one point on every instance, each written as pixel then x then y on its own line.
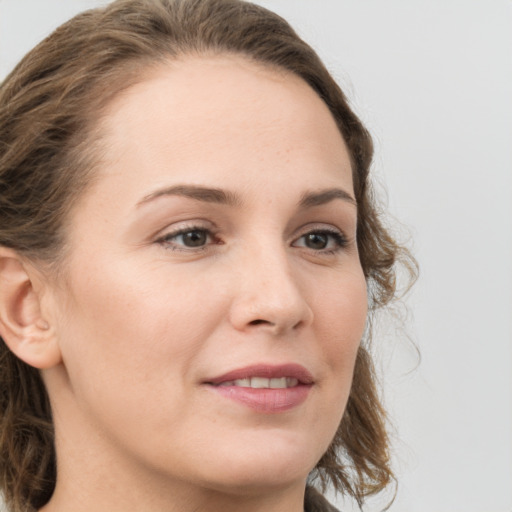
pixel 214 300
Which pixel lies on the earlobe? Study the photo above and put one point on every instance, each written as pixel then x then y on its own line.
pixel 22 326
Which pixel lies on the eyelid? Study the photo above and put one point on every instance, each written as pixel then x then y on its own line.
pixel 320 227
pixel 341 240
pixel 185 225
pixel 164 237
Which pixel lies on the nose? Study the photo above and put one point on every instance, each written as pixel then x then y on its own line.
pixel 269 296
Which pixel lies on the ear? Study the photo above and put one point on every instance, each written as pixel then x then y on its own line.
pixel 22 326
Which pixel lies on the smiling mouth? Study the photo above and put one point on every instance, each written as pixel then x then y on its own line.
pixel 267 389
pixel 262 383
pixel 264 376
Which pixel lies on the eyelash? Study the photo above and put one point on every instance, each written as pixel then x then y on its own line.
pixel 339 239
pixel 166 240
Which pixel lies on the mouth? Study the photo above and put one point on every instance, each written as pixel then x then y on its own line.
pixel 263 383
pixel 265 376
pixel 265 388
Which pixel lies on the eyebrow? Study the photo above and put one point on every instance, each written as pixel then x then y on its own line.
pixel 219 196
pixel 206 194
pixel 311 199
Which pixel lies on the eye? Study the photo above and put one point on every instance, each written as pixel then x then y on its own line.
pixel 187 238
pixel 193 238
pixel 322 240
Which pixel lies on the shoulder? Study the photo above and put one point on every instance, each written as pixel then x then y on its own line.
pixel 315 502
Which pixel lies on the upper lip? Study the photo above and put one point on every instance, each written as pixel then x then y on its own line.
pixel 269 371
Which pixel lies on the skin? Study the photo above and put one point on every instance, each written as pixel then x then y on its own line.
pixel 141 320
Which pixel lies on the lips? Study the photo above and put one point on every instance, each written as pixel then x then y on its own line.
pixel 265 388
pixel 268 372
pixel 263 382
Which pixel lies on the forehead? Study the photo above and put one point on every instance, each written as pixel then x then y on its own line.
pixel 218 94
pixel 205 119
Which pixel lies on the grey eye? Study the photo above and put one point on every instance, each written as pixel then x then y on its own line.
pixel 322 241
pixel 194 238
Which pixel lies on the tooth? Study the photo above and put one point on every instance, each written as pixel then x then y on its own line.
pixel 278 383
pixel 263 382
pixel 259 382
pixel 243 383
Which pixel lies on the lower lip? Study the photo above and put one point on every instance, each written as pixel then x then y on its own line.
pixel 266 400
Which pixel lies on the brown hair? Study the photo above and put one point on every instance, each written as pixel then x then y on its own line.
pixel 49 107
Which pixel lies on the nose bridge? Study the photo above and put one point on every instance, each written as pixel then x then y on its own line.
pixel 269 291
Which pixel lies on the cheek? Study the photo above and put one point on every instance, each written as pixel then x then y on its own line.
pixel 340 321
pixel 341 315
pixel 129 348
pixel 119 328
pixel 342 309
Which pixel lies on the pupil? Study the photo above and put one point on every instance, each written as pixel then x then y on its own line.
pixel 316 241
pixel 194 238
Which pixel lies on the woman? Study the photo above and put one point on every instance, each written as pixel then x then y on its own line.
pixel 189 258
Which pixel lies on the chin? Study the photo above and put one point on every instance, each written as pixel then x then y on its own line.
pixel 258 481
pixel 250 471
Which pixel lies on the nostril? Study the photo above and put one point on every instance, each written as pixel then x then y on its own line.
pixel 259 321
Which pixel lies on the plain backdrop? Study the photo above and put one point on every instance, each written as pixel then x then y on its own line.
pixel 432 79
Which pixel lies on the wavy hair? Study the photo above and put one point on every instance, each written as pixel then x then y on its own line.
pixel 50 105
